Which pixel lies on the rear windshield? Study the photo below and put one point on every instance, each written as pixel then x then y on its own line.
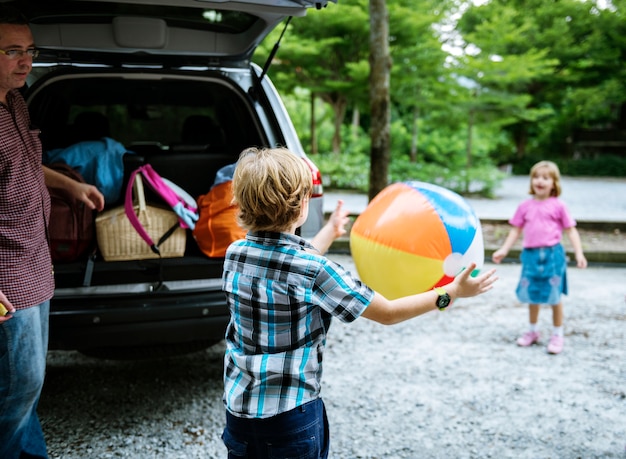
pixel 136 111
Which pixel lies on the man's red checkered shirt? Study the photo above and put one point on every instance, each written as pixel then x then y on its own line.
pixel 26 276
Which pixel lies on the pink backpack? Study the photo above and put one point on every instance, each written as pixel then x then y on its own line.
pixel 181 203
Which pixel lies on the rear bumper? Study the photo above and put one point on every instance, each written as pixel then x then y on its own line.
pixel 138 320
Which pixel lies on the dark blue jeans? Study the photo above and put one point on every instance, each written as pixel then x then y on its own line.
pixel 23 348
pixel 301 433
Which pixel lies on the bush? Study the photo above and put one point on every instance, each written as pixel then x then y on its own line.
pixel 351 171
pixel 601 166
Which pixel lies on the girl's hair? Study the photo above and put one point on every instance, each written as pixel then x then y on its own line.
pixel 554 172
pixel 270 186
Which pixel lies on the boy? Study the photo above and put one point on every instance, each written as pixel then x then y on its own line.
pixel 282 294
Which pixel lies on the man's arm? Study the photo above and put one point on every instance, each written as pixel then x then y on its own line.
pixel 84 192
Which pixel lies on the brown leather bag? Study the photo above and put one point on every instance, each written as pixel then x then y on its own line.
pixel 72 228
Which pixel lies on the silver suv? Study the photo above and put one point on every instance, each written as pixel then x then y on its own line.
pixel 174 83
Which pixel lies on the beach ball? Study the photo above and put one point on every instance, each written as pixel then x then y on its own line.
pixel 414 236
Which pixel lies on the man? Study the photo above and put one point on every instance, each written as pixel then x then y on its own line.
pixel 26 271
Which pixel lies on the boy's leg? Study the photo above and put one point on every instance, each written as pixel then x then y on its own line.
pixel 301 432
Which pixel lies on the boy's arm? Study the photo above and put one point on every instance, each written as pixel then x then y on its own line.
pixel 334 228
pixel 574 237
pixel 499 254
pixel 84 192
pixel 389 312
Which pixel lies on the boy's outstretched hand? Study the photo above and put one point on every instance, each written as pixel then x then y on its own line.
pixel 335 227
pixel 338 220
pixel 464 285
pixel 390 312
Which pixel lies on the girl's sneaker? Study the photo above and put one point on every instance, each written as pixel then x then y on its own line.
pixel 528 338
pixel 555 346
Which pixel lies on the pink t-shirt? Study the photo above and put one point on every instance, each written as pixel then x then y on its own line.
pixel 542 222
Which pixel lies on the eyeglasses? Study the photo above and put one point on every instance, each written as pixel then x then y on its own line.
pixel 19 53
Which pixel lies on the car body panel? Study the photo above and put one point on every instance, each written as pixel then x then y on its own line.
pixel 146 65
pixel 144 30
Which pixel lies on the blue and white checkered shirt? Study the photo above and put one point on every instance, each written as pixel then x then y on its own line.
pixel 281 301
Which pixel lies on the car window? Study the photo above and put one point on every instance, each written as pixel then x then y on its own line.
pixel 135 111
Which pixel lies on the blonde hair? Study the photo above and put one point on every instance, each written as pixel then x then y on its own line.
pixel 554 172
pixel 270 186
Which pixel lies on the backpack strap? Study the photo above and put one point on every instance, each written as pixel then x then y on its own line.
pixel 134 182
pixel 187 212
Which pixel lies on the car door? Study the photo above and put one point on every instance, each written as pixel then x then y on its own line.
pixel 192 30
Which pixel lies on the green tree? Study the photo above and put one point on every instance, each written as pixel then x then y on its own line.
pixel 326 52
pixel 380 65
pixel 550 55
pixel 419 76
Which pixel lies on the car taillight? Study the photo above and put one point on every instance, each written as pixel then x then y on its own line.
pixel 318 188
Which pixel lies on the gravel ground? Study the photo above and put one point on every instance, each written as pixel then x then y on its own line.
pixel 446 385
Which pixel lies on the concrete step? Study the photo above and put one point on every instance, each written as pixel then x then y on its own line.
pixel 603 242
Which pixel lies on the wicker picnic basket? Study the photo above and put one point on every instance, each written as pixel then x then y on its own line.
pixel 119 241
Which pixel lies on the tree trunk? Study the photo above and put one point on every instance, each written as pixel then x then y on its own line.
pixel 469 147
pixel 339 104
pixel 356 120
pixel 313 126
pixel 380 66
pixel 415 134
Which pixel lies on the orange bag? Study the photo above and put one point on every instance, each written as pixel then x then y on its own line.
pixel 217 226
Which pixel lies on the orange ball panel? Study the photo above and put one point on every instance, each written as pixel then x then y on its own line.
pixel 421 233
pixel 392 272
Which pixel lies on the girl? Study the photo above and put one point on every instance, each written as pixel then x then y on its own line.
pixel 543 218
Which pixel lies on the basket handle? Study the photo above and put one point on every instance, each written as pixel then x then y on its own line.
pixel 135 182
pixel 139 193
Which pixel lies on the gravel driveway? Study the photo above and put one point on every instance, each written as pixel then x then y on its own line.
pixel 446 385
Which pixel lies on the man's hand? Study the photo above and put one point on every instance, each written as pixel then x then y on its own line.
pixel 83 192
pixel 88 194
pixel 6 308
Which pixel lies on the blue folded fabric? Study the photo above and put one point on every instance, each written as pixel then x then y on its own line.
pixel 100 162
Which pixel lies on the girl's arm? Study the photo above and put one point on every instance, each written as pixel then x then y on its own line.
pixel 574 237
pixel 499 254
pixel 389 312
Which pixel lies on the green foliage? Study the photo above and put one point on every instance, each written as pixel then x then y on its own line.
pixel 351 171
pixel 348 171
pixel 536 72
pixel 601 166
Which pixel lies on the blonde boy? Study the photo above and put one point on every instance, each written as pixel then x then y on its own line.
pixel 282 293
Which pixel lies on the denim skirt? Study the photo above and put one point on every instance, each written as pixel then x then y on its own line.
pixel 544 276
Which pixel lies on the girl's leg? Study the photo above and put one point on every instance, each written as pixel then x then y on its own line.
pixel 557 314
pixel 533 314
pixel 532 335
pixel 556 340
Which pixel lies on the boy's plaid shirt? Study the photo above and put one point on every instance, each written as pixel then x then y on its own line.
pixel 281 300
